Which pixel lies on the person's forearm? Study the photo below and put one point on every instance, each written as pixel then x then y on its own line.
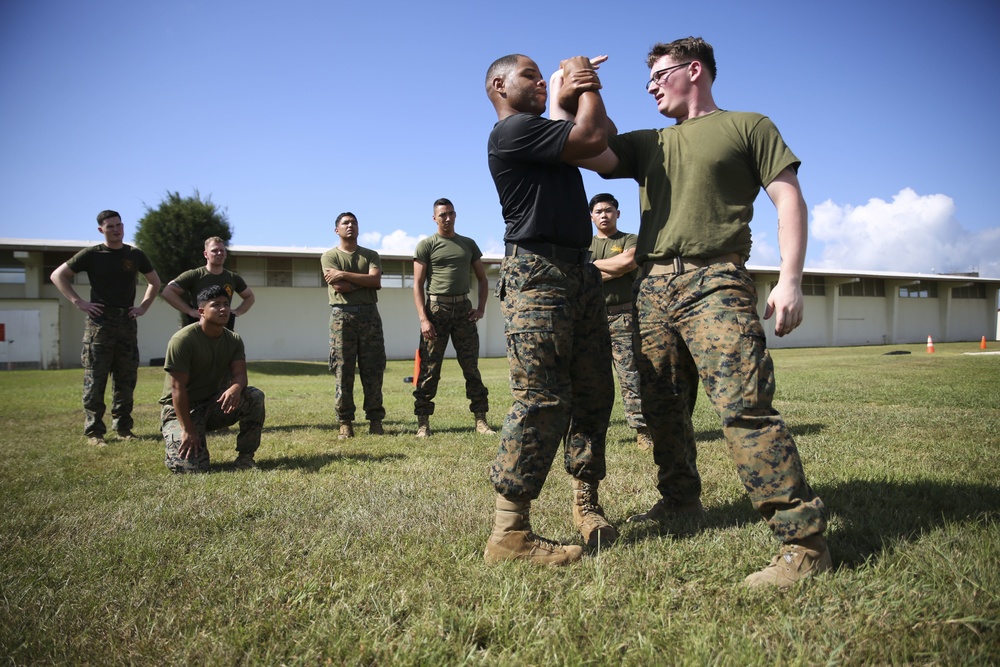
pixel 182 407
pixel 149 297
pixel 793 235
pixel 484 295
pixel 369 280
pixel 418 301
pixel 245 305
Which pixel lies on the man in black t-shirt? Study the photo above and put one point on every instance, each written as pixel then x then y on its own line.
pixel 553 305
pixel 110 345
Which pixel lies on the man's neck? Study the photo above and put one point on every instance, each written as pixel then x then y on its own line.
pixel 114 245
pixel 211 329
pixel 699 105
pixel 348 246
pixel 214 270
pixel 608 235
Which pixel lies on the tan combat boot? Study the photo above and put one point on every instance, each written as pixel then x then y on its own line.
pixel 346 431
pixel 481 425
pixel 796 561
pixel 643 440
pixel 588 515
pixel 512 538
pixel 375 427
pixel 423 426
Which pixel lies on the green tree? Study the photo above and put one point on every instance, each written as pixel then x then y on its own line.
pixel 173 234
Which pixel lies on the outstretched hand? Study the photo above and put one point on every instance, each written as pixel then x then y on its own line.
pixel 575 77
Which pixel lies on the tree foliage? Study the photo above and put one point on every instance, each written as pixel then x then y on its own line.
pixel 173 234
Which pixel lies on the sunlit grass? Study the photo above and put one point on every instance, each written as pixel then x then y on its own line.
pixel 369 551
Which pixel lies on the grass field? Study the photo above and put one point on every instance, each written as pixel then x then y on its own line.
pixel 369 551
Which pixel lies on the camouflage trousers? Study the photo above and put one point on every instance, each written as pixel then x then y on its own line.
pixel 208 416
pixel 559 353
pixel 705 323
pixel 621 326
pixel 109 348
pixel 450 320
pixel 357 342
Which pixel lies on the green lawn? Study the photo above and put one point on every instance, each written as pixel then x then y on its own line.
pixel 369 551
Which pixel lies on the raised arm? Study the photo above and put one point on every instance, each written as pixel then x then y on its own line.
pixel 785 300
pixel 604 163
pixel 579 95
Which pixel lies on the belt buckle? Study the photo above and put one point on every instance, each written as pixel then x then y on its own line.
pixel 678 265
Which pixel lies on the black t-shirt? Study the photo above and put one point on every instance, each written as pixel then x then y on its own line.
pixel 543 198
pixel 111 272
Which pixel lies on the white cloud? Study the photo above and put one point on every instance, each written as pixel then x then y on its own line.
pixel 764 252
pixel 394 243
pixel 912 233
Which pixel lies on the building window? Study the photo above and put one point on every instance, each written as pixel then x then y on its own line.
pixel 279 271
pixel 864 287
pixel 813 285
pixel 919 290
pixel 52 261
pixel 397 273
pixel 12 275
pixel 975 291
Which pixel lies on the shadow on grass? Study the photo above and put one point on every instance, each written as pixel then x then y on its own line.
pixel 874 516
pixel 878 513
pixel 797 430
pixel 288 368
pixel 360 427
pixel 314 462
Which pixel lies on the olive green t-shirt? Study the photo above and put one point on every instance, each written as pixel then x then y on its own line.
pixel 698 181
pixel 111 272
pixel 449 263
pixel 618 290
pixel 205 360
pixel 359 261
pixel 195 280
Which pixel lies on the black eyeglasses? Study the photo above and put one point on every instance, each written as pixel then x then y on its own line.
pixel 660 76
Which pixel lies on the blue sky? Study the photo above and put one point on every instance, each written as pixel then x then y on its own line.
pixel 288 113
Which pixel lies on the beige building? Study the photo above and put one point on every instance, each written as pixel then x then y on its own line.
pixel 289 320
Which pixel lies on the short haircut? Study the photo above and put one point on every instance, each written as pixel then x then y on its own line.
pixel 443 202
pixel 502 67
pixel 689 48
pixel 214 239
pixel 105 215
pixel 602 198
pixel 211 292
pixel 343 215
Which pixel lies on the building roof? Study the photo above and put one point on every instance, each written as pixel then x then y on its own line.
pixel 312 252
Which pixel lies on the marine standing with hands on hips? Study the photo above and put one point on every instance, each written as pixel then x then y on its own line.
pixel 110 334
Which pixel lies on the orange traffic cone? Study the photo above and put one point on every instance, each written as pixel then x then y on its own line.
pixel 416 367
pixel 982 343
pixel 930 345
